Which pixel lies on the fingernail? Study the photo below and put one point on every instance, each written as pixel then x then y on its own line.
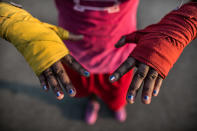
pixel 154 92
pixel 86 73
pixel 71 91
pixel 146 97
pixel 58 94
pixel 112 78
pixel 45 87
pixel 130 97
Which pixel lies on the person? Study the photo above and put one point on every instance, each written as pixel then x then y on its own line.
pixel 102 24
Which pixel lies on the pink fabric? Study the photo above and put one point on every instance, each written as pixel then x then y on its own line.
pixel 101 30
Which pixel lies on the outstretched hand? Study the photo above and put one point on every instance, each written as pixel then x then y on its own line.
pixel 145 77
pixel 56 75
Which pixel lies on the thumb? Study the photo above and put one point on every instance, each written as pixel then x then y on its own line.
pixel 63 34
pixel 134 37
pixel 130 38
pixel 74 37
pixel 121 42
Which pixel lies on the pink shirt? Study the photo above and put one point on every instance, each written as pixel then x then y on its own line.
pixel 103 23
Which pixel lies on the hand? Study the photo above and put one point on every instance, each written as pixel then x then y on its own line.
pixel 56 75
pixel 144 74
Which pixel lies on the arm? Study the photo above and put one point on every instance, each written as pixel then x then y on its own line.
pixel 41 45
pixel 167 39
pixel 158 47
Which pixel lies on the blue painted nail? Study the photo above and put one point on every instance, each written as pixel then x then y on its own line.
pixel 86 73
pixel 154 92
pixel 58 94
pixel 45 87
pixel 112 78
pixel 146 97
pixel 71 91
pixel 130 97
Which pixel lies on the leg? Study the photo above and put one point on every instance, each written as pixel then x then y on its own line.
pixel 84 87
pixel 92 110
pixel 113 94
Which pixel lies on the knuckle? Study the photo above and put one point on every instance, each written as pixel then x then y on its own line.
pixel 121 71
pixel 55 85
pixel 133 90
pixel 141 75
pixel 69 59
pixel 152 75
pixel 49 74
pixel 59 72
pixel 41 78
pixel 146 89
pixel 130 60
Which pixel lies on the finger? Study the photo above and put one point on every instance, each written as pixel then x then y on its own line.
pixel 121 42
pixel 124 68
pixel 62 33
pixel 148 87
pixel 53 83
pixel 71 62
pixel 64 79
pixel 74 37
pixel 137 81
pixel 157 87
pixel 43 82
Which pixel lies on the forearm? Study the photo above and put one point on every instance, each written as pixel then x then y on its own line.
pixel 164 42
pixel 40 46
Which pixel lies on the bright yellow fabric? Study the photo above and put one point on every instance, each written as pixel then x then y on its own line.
pixel 40 43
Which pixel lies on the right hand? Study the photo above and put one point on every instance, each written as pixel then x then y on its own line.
pixel 56 75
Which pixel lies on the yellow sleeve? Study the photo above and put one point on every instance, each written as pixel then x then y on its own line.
pixel 38 42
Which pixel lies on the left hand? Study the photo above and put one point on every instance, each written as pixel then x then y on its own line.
pixel 144 74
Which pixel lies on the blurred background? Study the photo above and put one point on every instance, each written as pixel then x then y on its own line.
pixel 24 106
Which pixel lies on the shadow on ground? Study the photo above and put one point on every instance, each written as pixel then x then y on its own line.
pixel 71 108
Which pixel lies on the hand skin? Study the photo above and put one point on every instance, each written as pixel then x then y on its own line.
pixel 56 75
pixel 145 77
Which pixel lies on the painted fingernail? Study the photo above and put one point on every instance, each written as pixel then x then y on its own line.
pixel 58 94
pixel 86 73
pixel 154 92
pixel 130 97
pixel 146 97
pixel 112 78
pixel 71 91
pixel 45 87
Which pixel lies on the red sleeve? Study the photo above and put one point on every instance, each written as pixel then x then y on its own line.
pixel 162 43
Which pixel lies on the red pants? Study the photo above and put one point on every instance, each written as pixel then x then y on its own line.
pixel 113 94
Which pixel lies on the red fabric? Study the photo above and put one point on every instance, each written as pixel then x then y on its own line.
pixel 113 94
pixel 160 45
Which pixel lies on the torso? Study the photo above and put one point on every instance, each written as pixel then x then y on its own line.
pixel 103 23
